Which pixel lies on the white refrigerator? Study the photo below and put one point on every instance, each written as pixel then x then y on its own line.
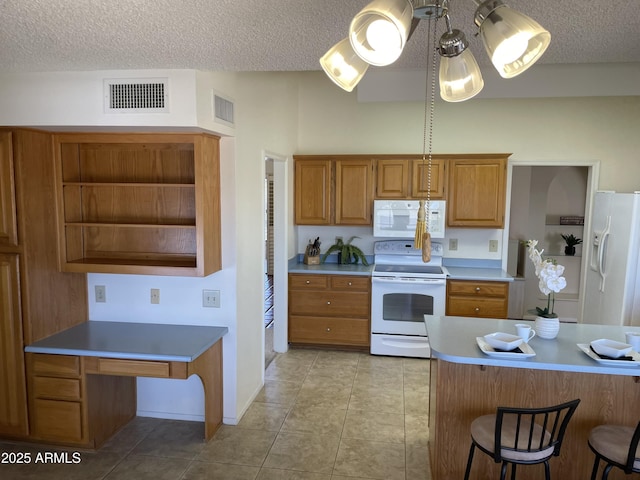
pixel 612 287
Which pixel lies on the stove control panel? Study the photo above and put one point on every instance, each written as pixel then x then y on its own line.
pixel 404 247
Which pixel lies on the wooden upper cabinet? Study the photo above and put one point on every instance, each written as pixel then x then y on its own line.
pixel 333 190
pixel 8 231
pixel 354 192
pixel 407 178
pixel 313 192
pixel 139 203
pixel 420 179
pixel 392 179
pixel 476 191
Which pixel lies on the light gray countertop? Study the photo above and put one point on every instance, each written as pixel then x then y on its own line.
pixel 330 268
pixel 478 273
pixel 453 339
pixel 137 341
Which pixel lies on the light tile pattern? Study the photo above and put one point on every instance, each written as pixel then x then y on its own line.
pixel 322 415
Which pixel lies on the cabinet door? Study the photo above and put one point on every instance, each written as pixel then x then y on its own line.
pixel 420 179
pixel 8 234
pixel 313 192
pixel 13 396
pixel 476 193
pixel 354 192
pixel 392 179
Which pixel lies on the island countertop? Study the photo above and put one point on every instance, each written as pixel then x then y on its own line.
pixel 453 339
pixel 141 341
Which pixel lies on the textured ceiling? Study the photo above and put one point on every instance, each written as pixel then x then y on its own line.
pixel 269 35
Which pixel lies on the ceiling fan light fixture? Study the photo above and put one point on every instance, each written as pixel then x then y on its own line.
pixel 460 76
pixel 514 41
pixel 379 32
pixel 343 66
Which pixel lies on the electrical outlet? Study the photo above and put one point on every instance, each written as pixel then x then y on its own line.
pixel 101 293
pixel 211 298
pixel 493 246
pixel 453 244
pixel 155 296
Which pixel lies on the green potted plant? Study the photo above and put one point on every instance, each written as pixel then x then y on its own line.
pixel 571 240
pixel 347 252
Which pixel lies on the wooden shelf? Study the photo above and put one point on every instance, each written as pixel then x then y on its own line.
pixel 132 202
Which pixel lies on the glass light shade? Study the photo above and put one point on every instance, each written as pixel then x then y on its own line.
pixel 379 32
pixel 343 66
pixel 513 41
pixel 460 77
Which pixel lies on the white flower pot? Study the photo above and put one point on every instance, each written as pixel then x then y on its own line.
pixel 547 327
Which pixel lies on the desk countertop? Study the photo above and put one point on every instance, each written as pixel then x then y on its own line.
pixel 137 341
pixel 453 339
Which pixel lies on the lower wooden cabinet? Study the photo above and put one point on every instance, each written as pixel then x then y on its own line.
pixel 329 309
pixel 470 298
pixel 69 407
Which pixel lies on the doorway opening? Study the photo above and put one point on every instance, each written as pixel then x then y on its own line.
pixel 548 200
pixel 275 260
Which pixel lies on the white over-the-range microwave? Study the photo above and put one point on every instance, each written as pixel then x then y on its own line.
pixel 398 218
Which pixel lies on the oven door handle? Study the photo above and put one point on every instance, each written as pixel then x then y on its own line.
pixel 413 280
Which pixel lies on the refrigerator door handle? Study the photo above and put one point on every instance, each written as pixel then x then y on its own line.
pixel 602 252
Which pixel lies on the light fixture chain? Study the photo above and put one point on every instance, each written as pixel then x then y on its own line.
pixel 429 110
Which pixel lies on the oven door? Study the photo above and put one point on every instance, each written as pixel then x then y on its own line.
pixel 398 304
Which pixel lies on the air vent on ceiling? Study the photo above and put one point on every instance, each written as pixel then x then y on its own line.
pixel 223 109
pixel 146 95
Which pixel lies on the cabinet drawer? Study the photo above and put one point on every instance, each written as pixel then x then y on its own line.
pixel 331 331
pixel 331 304
pixel 350 283
pixel 56 365
pixel 59 388
pixel 58 420
pixel 311 282
pixel 483 289
pixel 138 368
pixel 477 307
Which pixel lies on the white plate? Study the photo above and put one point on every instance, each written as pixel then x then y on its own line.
pixel 605 361
pixel 527 351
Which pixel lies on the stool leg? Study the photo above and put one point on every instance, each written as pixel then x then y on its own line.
pixel 596 464
pixel 607 469
pixel 469 460
pixel 513 471
pixel 547 473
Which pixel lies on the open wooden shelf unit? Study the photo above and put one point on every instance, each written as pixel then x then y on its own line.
pixel 138 203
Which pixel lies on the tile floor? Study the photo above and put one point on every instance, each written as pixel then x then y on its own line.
pixel 322 415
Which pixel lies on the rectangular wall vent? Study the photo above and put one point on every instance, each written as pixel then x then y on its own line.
pixel 147 95
pixel 223 110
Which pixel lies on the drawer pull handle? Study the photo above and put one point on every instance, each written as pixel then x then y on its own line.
pixel 349 283
pixel 477 289
pixel 308 282
pixel 328 303
pixel 477 309
pixel 328 329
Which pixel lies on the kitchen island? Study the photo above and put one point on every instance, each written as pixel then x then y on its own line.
pixel 466 383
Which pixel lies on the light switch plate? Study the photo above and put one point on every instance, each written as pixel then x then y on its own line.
pixel 493 246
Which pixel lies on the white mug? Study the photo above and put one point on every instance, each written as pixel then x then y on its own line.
pixel 633 339
pixel 525 332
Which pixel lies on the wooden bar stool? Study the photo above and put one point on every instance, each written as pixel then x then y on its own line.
pixel 521 436
pixel 618 446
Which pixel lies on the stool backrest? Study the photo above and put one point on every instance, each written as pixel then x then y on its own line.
pixel 633 450
pixel 535 433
